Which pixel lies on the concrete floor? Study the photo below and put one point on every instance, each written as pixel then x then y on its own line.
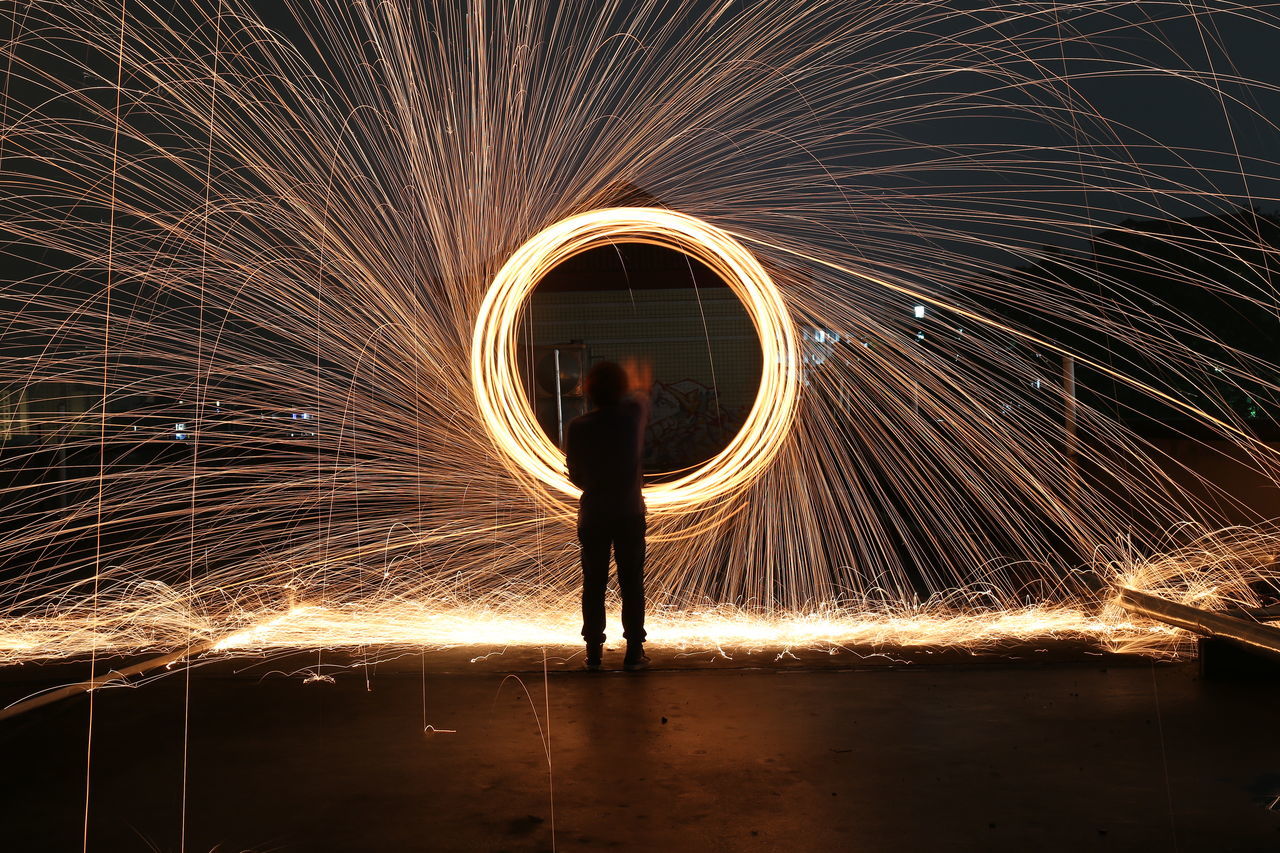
pixel 1015 757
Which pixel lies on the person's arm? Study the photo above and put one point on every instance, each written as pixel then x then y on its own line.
pixel 640 374
pixel 643 405
pixel 573 455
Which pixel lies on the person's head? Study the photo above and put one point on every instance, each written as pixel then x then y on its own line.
pixel 607 384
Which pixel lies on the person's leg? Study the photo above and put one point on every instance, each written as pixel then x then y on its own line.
pixel 595 575
pixel 628 545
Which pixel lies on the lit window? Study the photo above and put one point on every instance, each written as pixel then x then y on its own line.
pixel 919 312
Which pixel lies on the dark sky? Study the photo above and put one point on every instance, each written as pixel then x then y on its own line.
pixel 1214 137
pixel 1158 110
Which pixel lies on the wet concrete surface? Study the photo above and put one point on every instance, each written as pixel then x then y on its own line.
pixel 1130 756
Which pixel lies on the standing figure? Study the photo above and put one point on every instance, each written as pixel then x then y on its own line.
pixel 604 449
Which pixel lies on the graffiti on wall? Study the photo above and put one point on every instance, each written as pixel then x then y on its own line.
pixel 688 424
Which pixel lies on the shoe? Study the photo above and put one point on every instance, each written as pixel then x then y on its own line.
pixel 595 653
pixel 635 659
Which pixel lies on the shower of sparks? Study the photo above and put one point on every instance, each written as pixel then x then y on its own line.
pixel 720 629
pixel 263 244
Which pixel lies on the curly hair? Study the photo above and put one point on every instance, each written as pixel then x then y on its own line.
pixel 607 384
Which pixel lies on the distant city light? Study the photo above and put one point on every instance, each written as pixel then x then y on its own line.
pixel 919 312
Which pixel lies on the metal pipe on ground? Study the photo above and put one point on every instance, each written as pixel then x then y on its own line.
pixel 102 680
pixel 1205 622
pixel 1257 614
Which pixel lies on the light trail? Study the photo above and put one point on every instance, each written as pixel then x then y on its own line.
pixel 716 629
pixel 504 403
pixel 379 188
pixel 425 624
pixel 1213 572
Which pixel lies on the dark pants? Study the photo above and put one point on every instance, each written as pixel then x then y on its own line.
pixel 625 537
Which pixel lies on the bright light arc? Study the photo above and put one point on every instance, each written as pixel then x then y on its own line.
pixel 504 405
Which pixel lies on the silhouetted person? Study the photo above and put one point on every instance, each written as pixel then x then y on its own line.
pixel 604 449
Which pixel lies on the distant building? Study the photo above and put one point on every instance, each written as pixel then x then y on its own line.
pixel 1212 280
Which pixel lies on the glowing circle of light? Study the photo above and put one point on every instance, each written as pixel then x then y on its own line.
pixel 507 412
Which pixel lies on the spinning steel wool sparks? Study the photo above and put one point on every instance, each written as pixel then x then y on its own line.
pixel 260 345
pixel 504 404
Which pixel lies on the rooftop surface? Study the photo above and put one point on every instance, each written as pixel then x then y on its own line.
pixel 434 752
